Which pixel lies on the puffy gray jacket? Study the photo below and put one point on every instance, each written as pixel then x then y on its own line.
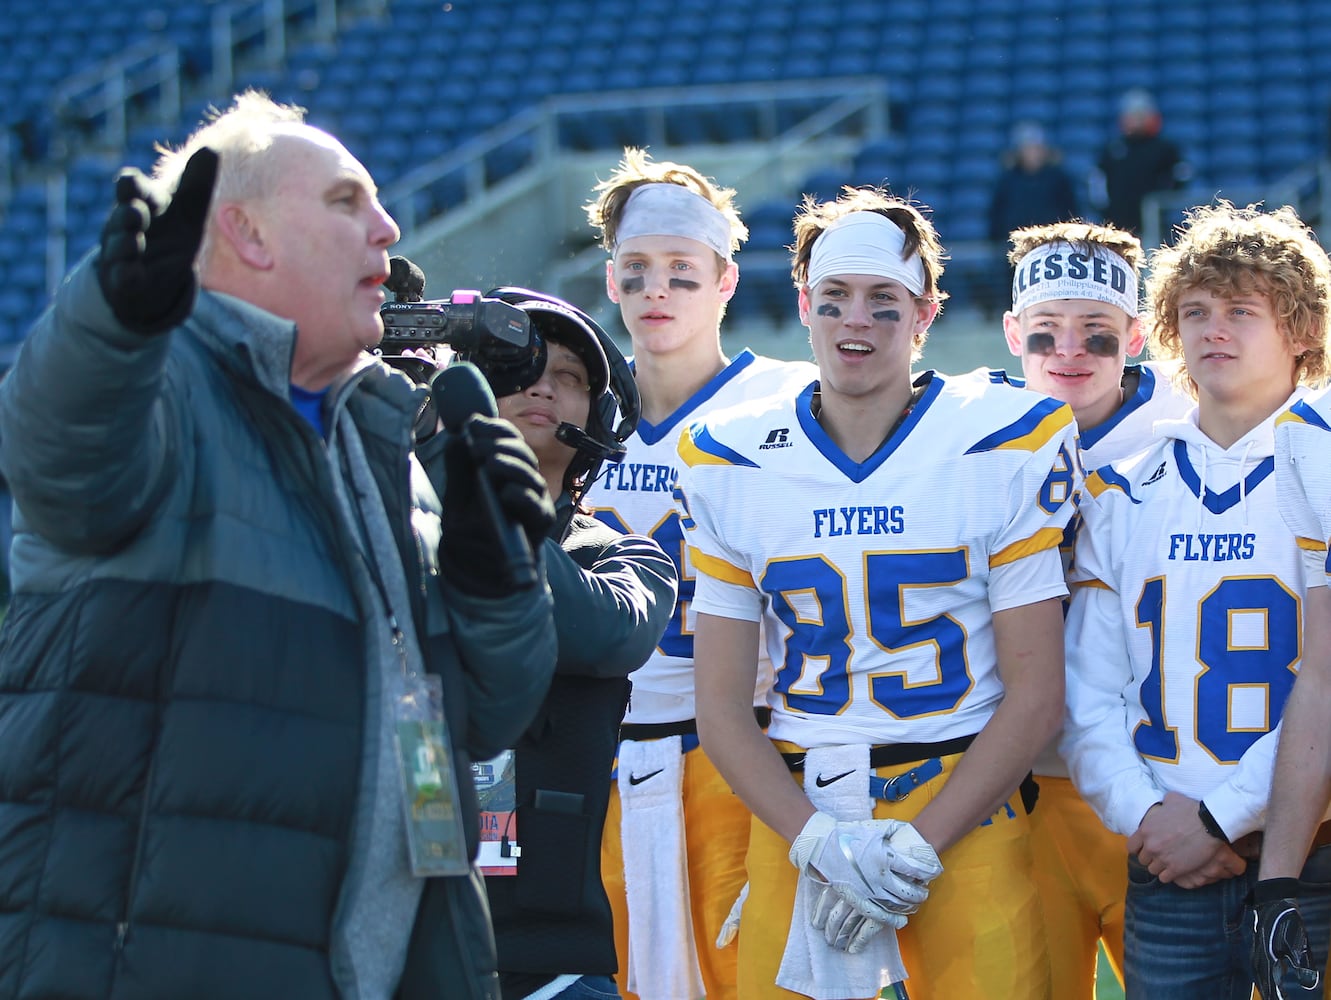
pixel 190 703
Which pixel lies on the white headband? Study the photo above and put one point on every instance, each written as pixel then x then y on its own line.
pixel 1063 271
pixel 673 210
pixel 865 243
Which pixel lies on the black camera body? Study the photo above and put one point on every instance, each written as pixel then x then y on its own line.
pixel 467 321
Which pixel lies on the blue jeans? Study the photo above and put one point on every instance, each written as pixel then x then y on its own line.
pixel 591 988
pixel 1193 944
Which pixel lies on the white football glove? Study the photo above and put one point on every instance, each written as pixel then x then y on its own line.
pixel 731 926
pixel 855 860
pixel 912 856
pixel 844 927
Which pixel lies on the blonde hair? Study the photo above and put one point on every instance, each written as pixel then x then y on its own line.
pixel 637 168
pixel 1232 252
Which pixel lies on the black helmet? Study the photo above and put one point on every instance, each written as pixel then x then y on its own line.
pixel 614 405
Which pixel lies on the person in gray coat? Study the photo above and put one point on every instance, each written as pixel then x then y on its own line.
pixel 251 650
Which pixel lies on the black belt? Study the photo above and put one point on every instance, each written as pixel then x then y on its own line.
pixel 689 727
pixel 896 754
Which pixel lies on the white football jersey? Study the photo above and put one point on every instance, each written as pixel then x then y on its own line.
pixel 876 582
pixel 1184 633
pixel 1129 429
pixel 1126 432
pixel 1303 480
pixel 635 495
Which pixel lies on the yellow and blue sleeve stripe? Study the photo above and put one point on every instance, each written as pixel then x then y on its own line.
pixel 1043 422
pixel 1302 413
pixel 1045 538
pixel 698 447
pixel 1104 479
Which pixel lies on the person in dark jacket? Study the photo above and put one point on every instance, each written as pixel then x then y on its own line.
pixel 236 593
pixel 614 595
pixel 1033 189
pixel 1135 163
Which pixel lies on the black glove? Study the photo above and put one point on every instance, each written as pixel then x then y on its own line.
pixel 470 555
pixel 1279 940
pixel 149 242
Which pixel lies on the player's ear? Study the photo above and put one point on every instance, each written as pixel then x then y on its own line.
pixel 926 311
pixel 804 304
pixel 729 281
pixel 611 290
pixel 1136 337
pixel 1012 333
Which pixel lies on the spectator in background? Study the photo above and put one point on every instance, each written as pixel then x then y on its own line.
pixel 249 650
pixel 1034 189
pixel 1137 162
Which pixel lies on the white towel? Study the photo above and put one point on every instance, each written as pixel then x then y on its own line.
pixel 663 959
pixel 810 965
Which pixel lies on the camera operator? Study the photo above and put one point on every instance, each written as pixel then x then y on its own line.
pixel 574 400
pixel 249 655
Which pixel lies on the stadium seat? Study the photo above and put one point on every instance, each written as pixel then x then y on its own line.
pixel 769 225
pixel 960 72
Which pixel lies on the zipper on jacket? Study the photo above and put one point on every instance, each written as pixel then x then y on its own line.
pixel 123 924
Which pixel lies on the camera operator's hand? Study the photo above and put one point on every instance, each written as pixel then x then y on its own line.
pixel 148 246
pixel 470 554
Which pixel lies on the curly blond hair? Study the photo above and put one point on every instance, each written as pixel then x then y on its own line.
pixel 1233 252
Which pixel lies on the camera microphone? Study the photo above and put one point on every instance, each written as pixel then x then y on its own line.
pixel 405 280
pixel 460 392
pixel 577 438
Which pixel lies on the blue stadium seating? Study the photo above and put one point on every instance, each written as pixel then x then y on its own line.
pixel 1244 87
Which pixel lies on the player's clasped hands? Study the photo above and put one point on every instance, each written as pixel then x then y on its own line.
pixel 871 874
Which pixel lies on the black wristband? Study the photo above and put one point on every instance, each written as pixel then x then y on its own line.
pixel 1269 889
pixel 1209 823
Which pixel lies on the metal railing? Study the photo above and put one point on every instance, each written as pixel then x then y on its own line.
pixel 1306 189
pixel 534 135
pixel 262 25
pixel 94 104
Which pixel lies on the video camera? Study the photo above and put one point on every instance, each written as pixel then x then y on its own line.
pixel 492 331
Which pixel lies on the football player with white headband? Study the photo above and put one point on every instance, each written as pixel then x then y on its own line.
pixel 901 557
